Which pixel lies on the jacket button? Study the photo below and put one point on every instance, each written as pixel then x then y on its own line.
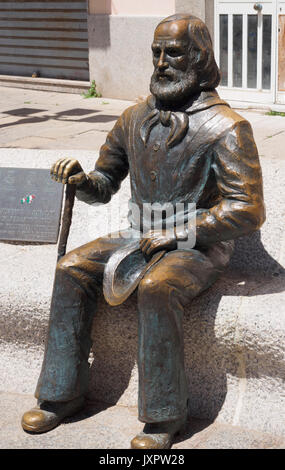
pixel 153 175
pixel 156 146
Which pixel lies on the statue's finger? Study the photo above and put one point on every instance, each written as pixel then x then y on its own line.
pixel 70 168
pixel 56 168
pixel 61 170
pixel 77 179
pixel 152 249
pixel 143 243
pixel 147 246
pixel 53 169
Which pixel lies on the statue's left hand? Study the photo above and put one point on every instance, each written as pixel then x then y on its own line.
pixel 157 240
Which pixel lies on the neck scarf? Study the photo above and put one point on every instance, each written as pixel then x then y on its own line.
pixel 177 121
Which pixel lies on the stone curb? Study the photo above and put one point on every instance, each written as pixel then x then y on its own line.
pixel 45 84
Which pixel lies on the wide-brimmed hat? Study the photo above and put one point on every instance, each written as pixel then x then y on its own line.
pixel 124 270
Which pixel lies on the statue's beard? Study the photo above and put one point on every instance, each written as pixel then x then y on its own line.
pixel 170 87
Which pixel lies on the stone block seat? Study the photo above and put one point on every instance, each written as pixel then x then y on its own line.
pixel 234 331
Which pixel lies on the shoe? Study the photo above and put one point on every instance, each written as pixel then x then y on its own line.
pixel 47 415
pixel 158 435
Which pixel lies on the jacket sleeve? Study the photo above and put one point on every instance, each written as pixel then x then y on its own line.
pixel 110 169
pixel 240 209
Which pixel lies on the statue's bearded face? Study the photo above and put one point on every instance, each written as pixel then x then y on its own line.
pixel 174 78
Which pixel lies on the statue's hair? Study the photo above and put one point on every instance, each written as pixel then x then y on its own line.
pixel 201 49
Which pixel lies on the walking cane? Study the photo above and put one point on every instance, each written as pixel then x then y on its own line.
pixel 66 219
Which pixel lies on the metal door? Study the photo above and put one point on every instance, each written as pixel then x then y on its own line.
pixel 245 47
pixel 48 38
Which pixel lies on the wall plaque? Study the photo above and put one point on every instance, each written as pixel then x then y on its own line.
pixel 30 205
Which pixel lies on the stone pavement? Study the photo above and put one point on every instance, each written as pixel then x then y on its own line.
pixel 101 426
pixel 238 328
pixel 49 120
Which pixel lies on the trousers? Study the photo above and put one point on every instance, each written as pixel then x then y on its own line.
pixel 162 296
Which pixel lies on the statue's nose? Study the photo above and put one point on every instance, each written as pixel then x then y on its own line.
pixel 162 64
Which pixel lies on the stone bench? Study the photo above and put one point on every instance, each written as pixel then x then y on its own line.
pixel 234 331
pixel 234 343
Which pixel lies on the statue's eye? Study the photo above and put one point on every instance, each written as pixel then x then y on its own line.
pixel 172 52
pixel 156 51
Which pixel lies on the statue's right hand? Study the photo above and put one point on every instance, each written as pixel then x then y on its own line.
pixel 67 170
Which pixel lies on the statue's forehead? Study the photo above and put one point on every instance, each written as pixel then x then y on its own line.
pixel 172 30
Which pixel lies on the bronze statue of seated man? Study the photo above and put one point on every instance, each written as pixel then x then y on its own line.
pixel 182 145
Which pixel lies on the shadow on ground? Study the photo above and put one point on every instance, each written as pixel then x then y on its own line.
pixel 66 116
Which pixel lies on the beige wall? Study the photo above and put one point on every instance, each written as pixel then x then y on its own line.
pixel 120 57
pixel 132 7
pixel 120 33
pixel 147 7
pixel 194 7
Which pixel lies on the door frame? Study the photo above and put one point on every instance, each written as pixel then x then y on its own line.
pixel 280 95
pixel 250 94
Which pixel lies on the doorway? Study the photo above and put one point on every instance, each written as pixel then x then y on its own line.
pixel 281 54
pixel 249 47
